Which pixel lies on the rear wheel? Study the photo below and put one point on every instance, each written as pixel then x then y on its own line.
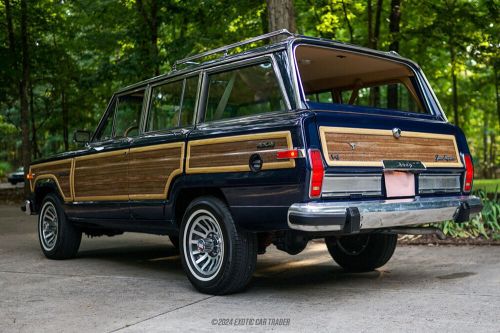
pixel 362 252
pixel 217 257
pixel 59 239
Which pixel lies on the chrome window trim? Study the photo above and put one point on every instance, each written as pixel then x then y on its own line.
pixel 296 80
pixel 103 117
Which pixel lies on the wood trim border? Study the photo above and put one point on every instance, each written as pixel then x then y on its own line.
pixel 237 138
pixel 53 177
pixel 349 130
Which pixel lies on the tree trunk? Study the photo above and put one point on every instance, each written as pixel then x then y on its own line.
pixel 10 28
pixel 64 107
pixel 495 69
pixel 394 20
pixel 154 37
pixel 34 143
pixel 370 24
pixel 485 146
pixel 281 15
pixel 150 45
pixel 454 84
pixel 376 32
pixel 23 92
pixel 349 25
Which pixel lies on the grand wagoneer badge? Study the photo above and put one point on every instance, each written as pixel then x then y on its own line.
pixel 443 158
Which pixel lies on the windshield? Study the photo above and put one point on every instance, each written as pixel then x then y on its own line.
pixel 346 80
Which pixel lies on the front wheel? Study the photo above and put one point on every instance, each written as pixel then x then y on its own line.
pixel 59 239
pixel 217 257
pixel 362 252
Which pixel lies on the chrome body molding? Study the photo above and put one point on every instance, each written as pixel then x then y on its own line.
pixel 333 216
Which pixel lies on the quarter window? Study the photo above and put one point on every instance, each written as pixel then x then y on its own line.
pixel 189 101
pixel 244 91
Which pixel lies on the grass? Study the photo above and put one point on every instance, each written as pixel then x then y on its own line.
pixel 487 185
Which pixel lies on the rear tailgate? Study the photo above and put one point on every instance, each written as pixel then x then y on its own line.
pixel 355 146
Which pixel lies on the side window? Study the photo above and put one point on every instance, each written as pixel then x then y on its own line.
pixel 128 114
pixel 165 106
pixel 189 101
pixel 106 131
pixel 244 91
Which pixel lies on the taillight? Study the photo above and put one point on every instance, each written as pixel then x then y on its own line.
pixel 469 173
pixel 287 154
pixel 317 173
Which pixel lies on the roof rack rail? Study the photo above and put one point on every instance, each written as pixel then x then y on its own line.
pixel 226 48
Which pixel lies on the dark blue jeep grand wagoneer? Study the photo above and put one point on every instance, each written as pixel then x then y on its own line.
pixel 304 138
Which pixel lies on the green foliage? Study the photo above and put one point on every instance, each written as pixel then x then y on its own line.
pixel 487 185
pixel 4 168
pixel 487 224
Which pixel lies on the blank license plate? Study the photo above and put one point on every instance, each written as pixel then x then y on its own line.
pixel 399 184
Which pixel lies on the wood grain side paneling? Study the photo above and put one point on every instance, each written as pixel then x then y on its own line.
pixel 371 147
pixel 59 171
pixel 101 176
pixel 231 154
pixel 151 170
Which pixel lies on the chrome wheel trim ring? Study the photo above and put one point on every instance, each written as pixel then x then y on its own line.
pixel 48 226
pixel 203 225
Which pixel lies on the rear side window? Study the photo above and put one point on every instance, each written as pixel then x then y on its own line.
pixel 165 106
pixel 172 104
pixel 244 91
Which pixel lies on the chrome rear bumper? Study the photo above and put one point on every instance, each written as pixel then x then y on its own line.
pixel 353 216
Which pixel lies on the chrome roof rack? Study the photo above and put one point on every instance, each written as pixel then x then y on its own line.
pixel 226 48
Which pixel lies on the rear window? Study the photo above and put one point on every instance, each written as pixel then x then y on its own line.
pixel 339 78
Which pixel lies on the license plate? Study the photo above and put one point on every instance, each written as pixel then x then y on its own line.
pixel 403 165
pixel 399 184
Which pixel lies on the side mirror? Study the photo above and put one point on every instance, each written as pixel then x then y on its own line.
pixel 81 136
